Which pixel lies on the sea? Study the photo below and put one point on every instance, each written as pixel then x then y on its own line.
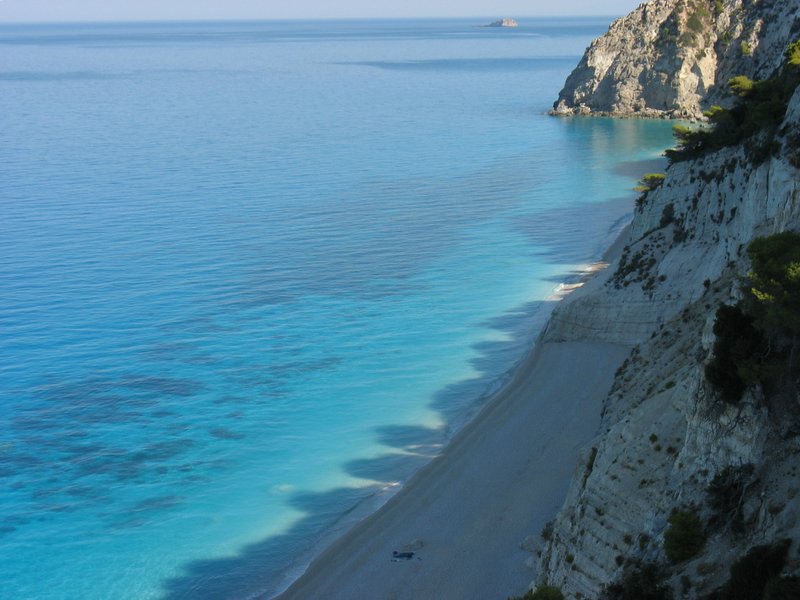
pixel 254 274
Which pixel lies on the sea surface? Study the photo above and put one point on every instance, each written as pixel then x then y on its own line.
pixel 252 275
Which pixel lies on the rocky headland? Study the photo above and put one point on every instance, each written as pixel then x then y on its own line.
pixel 692 487
pixel 672 58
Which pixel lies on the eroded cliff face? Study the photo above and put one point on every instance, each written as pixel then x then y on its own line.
pixel 665 433
pixel 672 58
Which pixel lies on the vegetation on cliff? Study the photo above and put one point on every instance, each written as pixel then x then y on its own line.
pixel 757 576
pixel 685 537
pixel 639 581
pixel 756 340
pixel 753 120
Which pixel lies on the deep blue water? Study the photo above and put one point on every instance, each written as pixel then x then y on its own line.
pixel 252 273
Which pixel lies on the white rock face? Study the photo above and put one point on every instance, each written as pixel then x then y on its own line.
pixel 664 435
pixel 672 58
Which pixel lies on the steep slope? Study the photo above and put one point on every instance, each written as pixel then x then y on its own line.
pixel 666 435
pixel 672 58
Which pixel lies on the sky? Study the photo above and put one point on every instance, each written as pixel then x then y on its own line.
pixel 124 10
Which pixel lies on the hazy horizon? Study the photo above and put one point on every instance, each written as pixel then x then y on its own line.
pixel 77 11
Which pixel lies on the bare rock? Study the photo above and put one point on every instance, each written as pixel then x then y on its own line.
pixel 673 58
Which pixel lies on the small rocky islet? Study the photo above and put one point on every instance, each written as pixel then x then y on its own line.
pixel 503 23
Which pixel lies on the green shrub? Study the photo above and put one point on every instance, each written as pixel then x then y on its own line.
pixel 726 494
pixel 738 351
pixel 718 7
pixel 695 23
pixel 775 282
pixel 683 133
pixel 758 341
pixel 724 129
pixel 716 112
pixel 685 538
pixel 547 592
pixel 766 104
pixel 746 49
pixel 691 142
pixel 741 86
pixel 760 108
pixel 752 574
pixel 639 581
pixel 543 592
pixel 667 215
pixel 793 54
pixel 547 532
pixel 782 588
pixel 651 181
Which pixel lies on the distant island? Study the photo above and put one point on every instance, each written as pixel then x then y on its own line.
pixel 503 23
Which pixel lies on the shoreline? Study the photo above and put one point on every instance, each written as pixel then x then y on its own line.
pixel 533 386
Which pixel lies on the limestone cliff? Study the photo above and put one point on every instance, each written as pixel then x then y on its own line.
pixel 666 434
pixel 672 58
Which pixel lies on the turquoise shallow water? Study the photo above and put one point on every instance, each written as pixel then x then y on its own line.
pixel 251 273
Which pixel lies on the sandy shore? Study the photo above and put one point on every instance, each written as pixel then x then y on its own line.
pixel 465 514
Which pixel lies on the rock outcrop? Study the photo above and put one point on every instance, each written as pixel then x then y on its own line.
pixel 672 58
pixel 504 23
pixel 666 434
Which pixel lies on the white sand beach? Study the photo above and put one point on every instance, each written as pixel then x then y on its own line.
pixel 465 515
